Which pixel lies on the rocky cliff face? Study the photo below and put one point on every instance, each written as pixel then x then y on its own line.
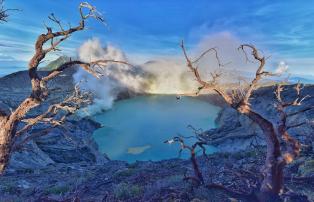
pixel 70 143
pixel 236 132
pixel 16 87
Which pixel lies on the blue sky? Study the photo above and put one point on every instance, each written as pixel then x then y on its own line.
pixel 149 28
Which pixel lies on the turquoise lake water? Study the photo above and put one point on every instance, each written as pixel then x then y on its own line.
pixel 135 129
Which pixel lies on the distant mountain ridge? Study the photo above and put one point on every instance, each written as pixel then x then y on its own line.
pixel 7 68
pixel 302 79
pixel 56 63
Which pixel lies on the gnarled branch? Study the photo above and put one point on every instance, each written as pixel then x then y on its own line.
pixel 192 149
pixel 4 12
pixel 69 105
pixel 215 76
pixel 259 72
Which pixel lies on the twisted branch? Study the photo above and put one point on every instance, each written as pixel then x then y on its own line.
pixel 4 12
pixel 180 139
pixel 213 84
pixel 69 105
pixel 293 146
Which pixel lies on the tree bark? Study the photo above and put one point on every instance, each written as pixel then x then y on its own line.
pixel 8 126
pixel 196 169
pixel 5 147
pixel 272 183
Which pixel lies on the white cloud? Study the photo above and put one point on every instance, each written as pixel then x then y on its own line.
pixel 4 57
pixel 282 68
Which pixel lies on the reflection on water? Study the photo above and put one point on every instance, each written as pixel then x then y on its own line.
pixel 135 129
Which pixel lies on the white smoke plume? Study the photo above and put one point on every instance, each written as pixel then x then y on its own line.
pixel 117 77
pixel 162 76
pixel 170 76
pixel 165 75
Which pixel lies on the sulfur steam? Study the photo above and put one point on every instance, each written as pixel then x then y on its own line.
pixel 165 75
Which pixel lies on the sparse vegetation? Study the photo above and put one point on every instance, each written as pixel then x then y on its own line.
pixel 307 169
pixel 8 187
pixel 124 173
pixel 57 189
pixel 124 191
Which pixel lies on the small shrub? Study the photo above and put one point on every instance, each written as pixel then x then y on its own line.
pixel 57 190
pixel 238 155
pixel 10 189
pixel 124 173
pixel 174 179
pixel 307 169
pixel 125 191
pixel 133 165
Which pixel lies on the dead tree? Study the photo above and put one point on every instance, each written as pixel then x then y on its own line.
pixel 45 44
pixel 4 13
pixel 198 178
pixel 277 156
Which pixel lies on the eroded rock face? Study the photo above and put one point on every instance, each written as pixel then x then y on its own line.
pixel 30 157
pixel 236 132
pixel 58 146
pixel 70 143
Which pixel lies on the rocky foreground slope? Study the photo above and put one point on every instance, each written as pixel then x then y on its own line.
pixel 66 166
pixel 59 145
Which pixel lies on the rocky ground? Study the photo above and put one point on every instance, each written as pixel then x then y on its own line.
pixel 146 181
pixel 66 165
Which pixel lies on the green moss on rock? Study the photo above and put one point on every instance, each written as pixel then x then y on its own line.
pixel 307 168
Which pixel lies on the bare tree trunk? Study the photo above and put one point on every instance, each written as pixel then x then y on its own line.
pixel 272 183
pixel 5 148
pixel 5 143
pixel 8 126
pixel 196 169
